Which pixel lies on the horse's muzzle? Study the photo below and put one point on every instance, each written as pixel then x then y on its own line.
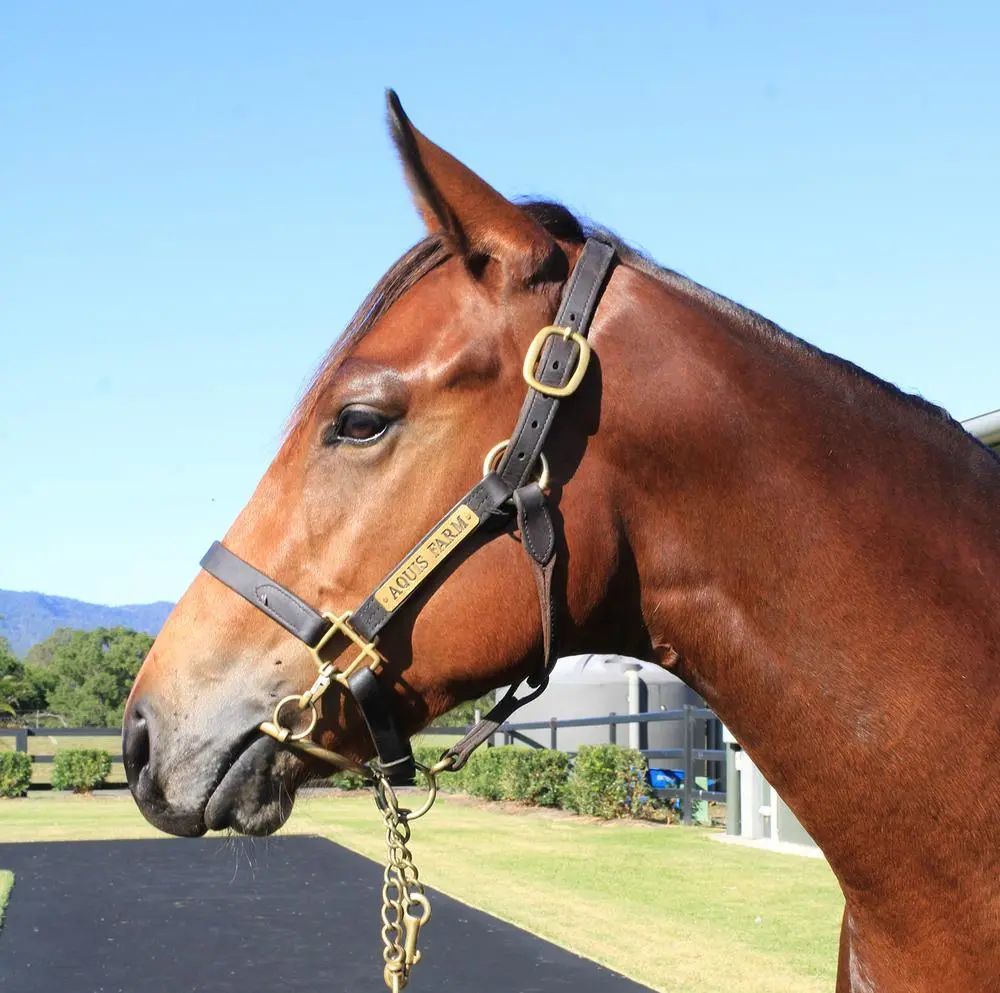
pixel 187 786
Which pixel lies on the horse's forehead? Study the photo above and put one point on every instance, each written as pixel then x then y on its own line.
pixel 451 312
pixel 446 329
pixel 442 303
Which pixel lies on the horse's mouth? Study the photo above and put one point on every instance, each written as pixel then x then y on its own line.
pixel 255 794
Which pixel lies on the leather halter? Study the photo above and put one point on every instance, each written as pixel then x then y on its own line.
pixel 554 367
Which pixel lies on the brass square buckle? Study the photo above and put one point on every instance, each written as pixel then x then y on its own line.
pixel 368 654
pixel 535 350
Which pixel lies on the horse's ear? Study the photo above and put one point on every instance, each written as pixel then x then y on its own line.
pixel 481 224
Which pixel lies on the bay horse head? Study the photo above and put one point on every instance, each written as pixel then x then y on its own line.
pixel 426 381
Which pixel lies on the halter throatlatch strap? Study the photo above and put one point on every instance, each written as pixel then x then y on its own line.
pixel 554 367
pixel 538 538
pixel 539 542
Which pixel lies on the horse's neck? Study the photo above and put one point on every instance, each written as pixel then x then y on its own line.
pixel 817 558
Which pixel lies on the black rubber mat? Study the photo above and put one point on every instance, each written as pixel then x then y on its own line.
pixel 282 915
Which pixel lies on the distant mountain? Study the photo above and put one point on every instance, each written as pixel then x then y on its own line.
pixel 27 618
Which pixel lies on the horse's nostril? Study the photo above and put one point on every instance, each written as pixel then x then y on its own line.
pixel 135 744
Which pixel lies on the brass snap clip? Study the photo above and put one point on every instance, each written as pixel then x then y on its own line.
pixel 412 923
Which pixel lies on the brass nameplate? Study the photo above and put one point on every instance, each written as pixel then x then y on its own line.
pixel 461 522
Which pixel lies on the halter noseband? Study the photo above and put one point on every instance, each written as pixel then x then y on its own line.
pixel 554 367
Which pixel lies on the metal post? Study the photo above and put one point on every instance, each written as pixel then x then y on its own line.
pixel 635 729
pixel 553 727
pixel 20 739
pixel 733 805
pixel 687 804
pixel 613 730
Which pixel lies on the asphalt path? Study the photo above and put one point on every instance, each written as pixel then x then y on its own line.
pixel 281 915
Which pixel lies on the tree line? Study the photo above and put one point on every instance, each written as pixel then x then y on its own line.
pixel 73 678
pixel 82 679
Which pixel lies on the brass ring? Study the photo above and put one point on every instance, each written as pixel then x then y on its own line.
pixel 432 792
pixel 385 795
pixel 313 717
pixel 493 457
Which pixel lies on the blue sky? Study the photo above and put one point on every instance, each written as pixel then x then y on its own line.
pixel 197 197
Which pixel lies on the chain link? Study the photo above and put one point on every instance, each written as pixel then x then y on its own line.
pixel 405 907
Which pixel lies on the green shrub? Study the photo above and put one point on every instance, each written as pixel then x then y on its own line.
pixel 15 773
pixel 544 777
pixel 346 780
pixel 528 775
pixel 80 769
pixel 607 781
pixel 484 774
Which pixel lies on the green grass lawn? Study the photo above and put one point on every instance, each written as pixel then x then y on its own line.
pixel 6 884
pixel 668 906
pixel 49 744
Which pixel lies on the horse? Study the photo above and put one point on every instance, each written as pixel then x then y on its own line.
pixel 815 552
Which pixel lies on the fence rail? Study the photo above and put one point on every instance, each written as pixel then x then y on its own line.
pixel 21 737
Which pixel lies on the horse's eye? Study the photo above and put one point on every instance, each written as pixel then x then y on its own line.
pixel 357 426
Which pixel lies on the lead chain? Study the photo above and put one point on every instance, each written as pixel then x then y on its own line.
pixel 402 893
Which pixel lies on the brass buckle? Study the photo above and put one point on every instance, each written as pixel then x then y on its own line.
pixel 535 350
pixel 366 649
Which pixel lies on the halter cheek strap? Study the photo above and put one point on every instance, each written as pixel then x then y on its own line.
pixel 554 367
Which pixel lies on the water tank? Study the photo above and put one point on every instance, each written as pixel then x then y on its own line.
pixel 597 685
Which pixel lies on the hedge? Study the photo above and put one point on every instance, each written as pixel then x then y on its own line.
pixel 534 776
pixel 608 781
pixel 15 773
pixel 602 781
pixel 80 769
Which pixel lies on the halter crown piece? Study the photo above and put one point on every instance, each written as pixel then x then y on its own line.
pixel 514 483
